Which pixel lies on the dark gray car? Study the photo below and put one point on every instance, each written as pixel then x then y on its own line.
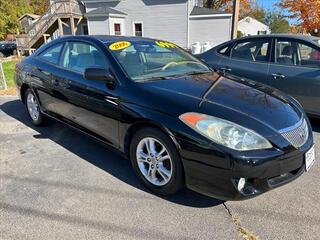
pixel 290 63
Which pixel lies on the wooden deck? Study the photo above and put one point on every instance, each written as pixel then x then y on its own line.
pixel 61 13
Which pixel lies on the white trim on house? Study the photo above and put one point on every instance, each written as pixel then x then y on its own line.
pixel 134 30
pixel 188 25
pixel 114 15
pixel 211 15
pixel 113 21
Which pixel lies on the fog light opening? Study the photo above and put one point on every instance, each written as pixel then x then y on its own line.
pixel 241 184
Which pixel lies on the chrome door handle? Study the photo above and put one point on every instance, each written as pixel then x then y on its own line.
pixel 278 75
pixel 225 69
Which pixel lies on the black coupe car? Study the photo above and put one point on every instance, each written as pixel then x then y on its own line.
pixel 180 123
pixel 290 63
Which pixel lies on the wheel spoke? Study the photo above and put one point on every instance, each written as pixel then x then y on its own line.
pixel 161 159
pixel 146 143
pixel 165 173
pixel 142 157
pixel 163 150
pixel 152 146
pixel 152 175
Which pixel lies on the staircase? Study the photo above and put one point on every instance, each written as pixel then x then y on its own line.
pixel 62 14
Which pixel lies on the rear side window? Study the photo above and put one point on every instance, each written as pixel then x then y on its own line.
pixel 52 54
pixel 78 56
pixel 310 57
pixel 255 51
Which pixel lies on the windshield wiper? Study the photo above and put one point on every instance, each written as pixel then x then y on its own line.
pixel 197 73
pixel 151 78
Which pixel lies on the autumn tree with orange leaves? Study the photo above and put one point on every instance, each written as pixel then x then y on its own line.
pixel 227 5
pixel 306 11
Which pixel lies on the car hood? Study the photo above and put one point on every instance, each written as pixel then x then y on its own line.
pixel 212 93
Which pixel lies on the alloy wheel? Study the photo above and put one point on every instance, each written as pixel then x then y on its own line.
pixel 154 161
pixel 33 107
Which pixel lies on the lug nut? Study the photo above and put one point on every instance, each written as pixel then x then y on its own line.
pixel 152 166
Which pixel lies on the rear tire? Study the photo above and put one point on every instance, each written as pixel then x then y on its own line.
pixel 156 161
pixel 33 108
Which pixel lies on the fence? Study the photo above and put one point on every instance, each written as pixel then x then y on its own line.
pixel 3 83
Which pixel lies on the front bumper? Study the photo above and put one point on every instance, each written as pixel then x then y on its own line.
pixel 263 170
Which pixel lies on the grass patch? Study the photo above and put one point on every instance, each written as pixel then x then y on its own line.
pixel 8 69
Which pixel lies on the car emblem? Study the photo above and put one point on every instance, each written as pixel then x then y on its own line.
pixel 302 135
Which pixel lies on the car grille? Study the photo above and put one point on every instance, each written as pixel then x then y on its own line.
pixel 297 136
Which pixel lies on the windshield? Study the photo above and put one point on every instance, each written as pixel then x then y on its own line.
pixel 147 60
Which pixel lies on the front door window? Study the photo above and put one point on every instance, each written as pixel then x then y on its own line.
pixel 253 50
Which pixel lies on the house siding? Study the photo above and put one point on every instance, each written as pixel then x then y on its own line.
pixel 167 20
pixel 98 25
pixel 214 30
pixel 250 26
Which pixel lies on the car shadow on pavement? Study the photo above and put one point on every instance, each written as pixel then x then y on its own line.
pixel 99 155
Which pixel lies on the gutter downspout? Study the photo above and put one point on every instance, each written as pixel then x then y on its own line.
pixel 188 27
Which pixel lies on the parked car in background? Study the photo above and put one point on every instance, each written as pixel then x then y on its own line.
pixel 179 122
pixel 7 49
pixel 290 63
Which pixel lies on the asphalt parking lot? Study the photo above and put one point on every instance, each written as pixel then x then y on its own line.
pixel 56 183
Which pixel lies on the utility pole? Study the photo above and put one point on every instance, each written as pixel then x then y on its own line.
pixel 235 18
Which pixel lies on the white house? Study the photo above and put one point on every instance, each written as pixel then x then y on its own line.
pixel 181 21
pixel 250 26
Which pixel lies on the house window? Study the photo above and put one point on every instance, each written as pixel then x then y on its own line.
pixel 138 29
pixel 262 32
pixel 117 29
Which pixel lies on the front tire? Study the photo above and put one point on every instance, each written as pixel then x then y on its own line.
pixel 156 161
pixel 33 108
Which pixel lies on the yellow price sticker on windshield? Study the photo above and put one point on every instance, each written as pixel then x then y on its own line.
pixel 119 45
pixel 166 44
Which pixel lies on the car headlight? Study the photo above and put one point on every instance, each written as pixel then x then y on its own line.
pixel 226 133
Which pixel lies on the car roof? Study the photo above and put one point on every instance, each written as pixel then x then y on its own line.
pixel 307 38
pixel 107 38
pixel 292 36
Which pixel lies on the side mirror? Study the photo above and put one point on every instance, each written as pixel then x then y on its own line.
pixel 99 74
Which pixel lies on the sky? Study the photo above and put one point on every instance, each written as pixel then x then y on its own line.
pixel 269 4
